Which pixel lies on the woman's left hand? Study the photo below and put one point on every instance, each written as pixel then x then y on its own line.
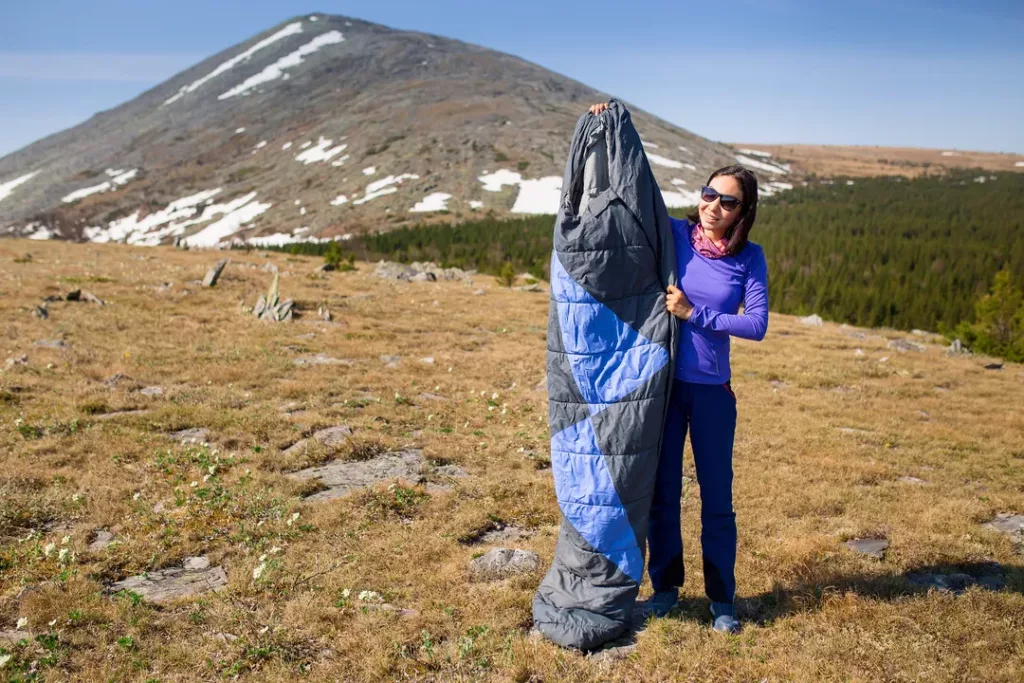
pixel 677 303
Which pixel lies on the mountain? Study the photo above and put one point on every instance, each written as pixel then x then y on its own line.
pixel 861 161
pixel 323 126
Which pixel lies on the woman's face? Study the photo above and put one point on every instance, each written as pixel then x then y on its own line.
pixel 712 215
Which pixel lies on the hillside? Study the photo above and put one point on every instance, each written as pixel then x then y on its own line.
pixel 161 438
pixel 859 161
pixel 323 126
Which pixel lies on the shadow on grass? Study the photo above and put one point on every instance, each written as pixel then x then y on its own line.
pixel 809 593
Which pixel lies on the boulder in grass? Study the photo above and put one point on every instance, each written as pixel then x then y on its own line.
pixel 213 274
pixel 872 547
pixel 814 320
pixel 499 563
pixel 194 577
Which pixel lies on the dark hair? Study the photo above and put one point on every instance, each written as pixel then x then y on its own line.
pixel 737 233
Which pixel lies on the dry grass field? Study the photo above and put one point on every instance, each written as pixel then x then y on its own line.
pixel 840 437
pixel 864 160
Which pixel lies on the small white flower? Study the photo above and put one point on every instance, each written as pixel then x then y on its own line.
pixel 52 622
pixel 295 516
pixel 194 484
pixel 260 523
pixel 65 540
pixel 494 396
pixel 274 551
pixel 258 571
pixel 490 408
pixel 370 596
pixel 136 496
pixel 206 477
pixel 450 369
pixel 48 549
pixel 437 387
pixel 62 556
pixel 76 497
pixel 21 623
pixel 4 659
pixel 20 421
pixel 347 592
pixel 212 469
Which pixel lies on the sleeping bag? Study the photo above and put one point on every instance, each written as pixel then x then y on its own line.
pixel 610 361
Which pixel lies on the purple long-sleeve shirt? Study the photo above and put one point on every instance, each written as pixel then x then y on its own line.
pixel 716 288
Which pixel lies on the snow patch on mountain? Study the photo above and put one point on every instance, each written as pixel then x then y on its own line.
pixel 117 177
pixel 664 161
pixel 276 70
pixel 322 152
pixel 237 213
pixel 536 196
pixel 437 201
pixel 384 186
pixel 7 188
pixel 779 169
pixel 290 29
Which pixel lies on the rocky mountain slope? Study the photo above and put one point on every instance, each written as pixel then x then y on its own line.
pixel 324 126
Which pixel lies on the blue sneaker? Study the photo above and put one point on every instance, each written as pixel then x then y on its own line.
pixel 662 602
pixel 724 614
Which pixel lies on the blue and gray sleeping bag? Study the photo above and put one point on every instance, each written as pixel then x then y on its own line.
pixel 610 361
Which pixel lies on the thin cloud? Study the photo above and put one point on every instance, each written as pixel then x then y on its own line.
pixel 103 67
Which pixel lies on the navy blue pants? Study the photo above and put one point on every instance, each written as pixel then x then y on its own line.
pixel 708 411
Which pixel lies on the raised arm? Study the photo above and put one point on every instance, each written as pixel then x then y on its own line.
pixel 753 322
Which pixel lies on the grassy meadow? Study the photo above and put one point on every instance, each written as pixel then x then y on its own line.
pixel 840 437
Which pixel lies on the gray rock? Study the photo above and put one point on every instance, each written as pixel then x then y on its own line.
pixel 429 360
pixel 814 320
pixel 83 295
pixel 957 348
pixel 478 292
pixel 16 360
pixel 905 345
pixel 321 359
pixel 213 274
pixel 12 637
pixel 120 413
pixel 291 407
pixel 191 435
pixel 421 271
pixel 990 578
pixel 427 396
pixel 331 438
pixel 1010 524
pixel 390 361
pixel 194 577
pixel 342 477
pixel 101 540
pixel 52 344
pixel 912 480
pixel 872 547
pixel 152 392
pixel 502 562
pixel 852 430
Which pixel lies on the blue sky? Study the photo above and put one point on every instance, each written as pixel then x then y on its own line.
pixel 916 73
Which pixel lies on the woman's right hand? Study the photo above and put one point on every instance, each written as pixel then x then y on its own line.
pixel 598 108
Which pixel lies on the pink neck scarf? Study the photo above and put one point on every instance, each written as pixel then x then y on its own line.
pixel 704 244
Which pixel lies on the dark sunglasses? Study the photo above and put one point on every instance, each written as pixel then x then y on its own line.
pixel 729 202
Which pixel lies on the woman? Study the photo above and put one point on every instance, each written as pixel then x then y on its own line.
pixel 718 269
